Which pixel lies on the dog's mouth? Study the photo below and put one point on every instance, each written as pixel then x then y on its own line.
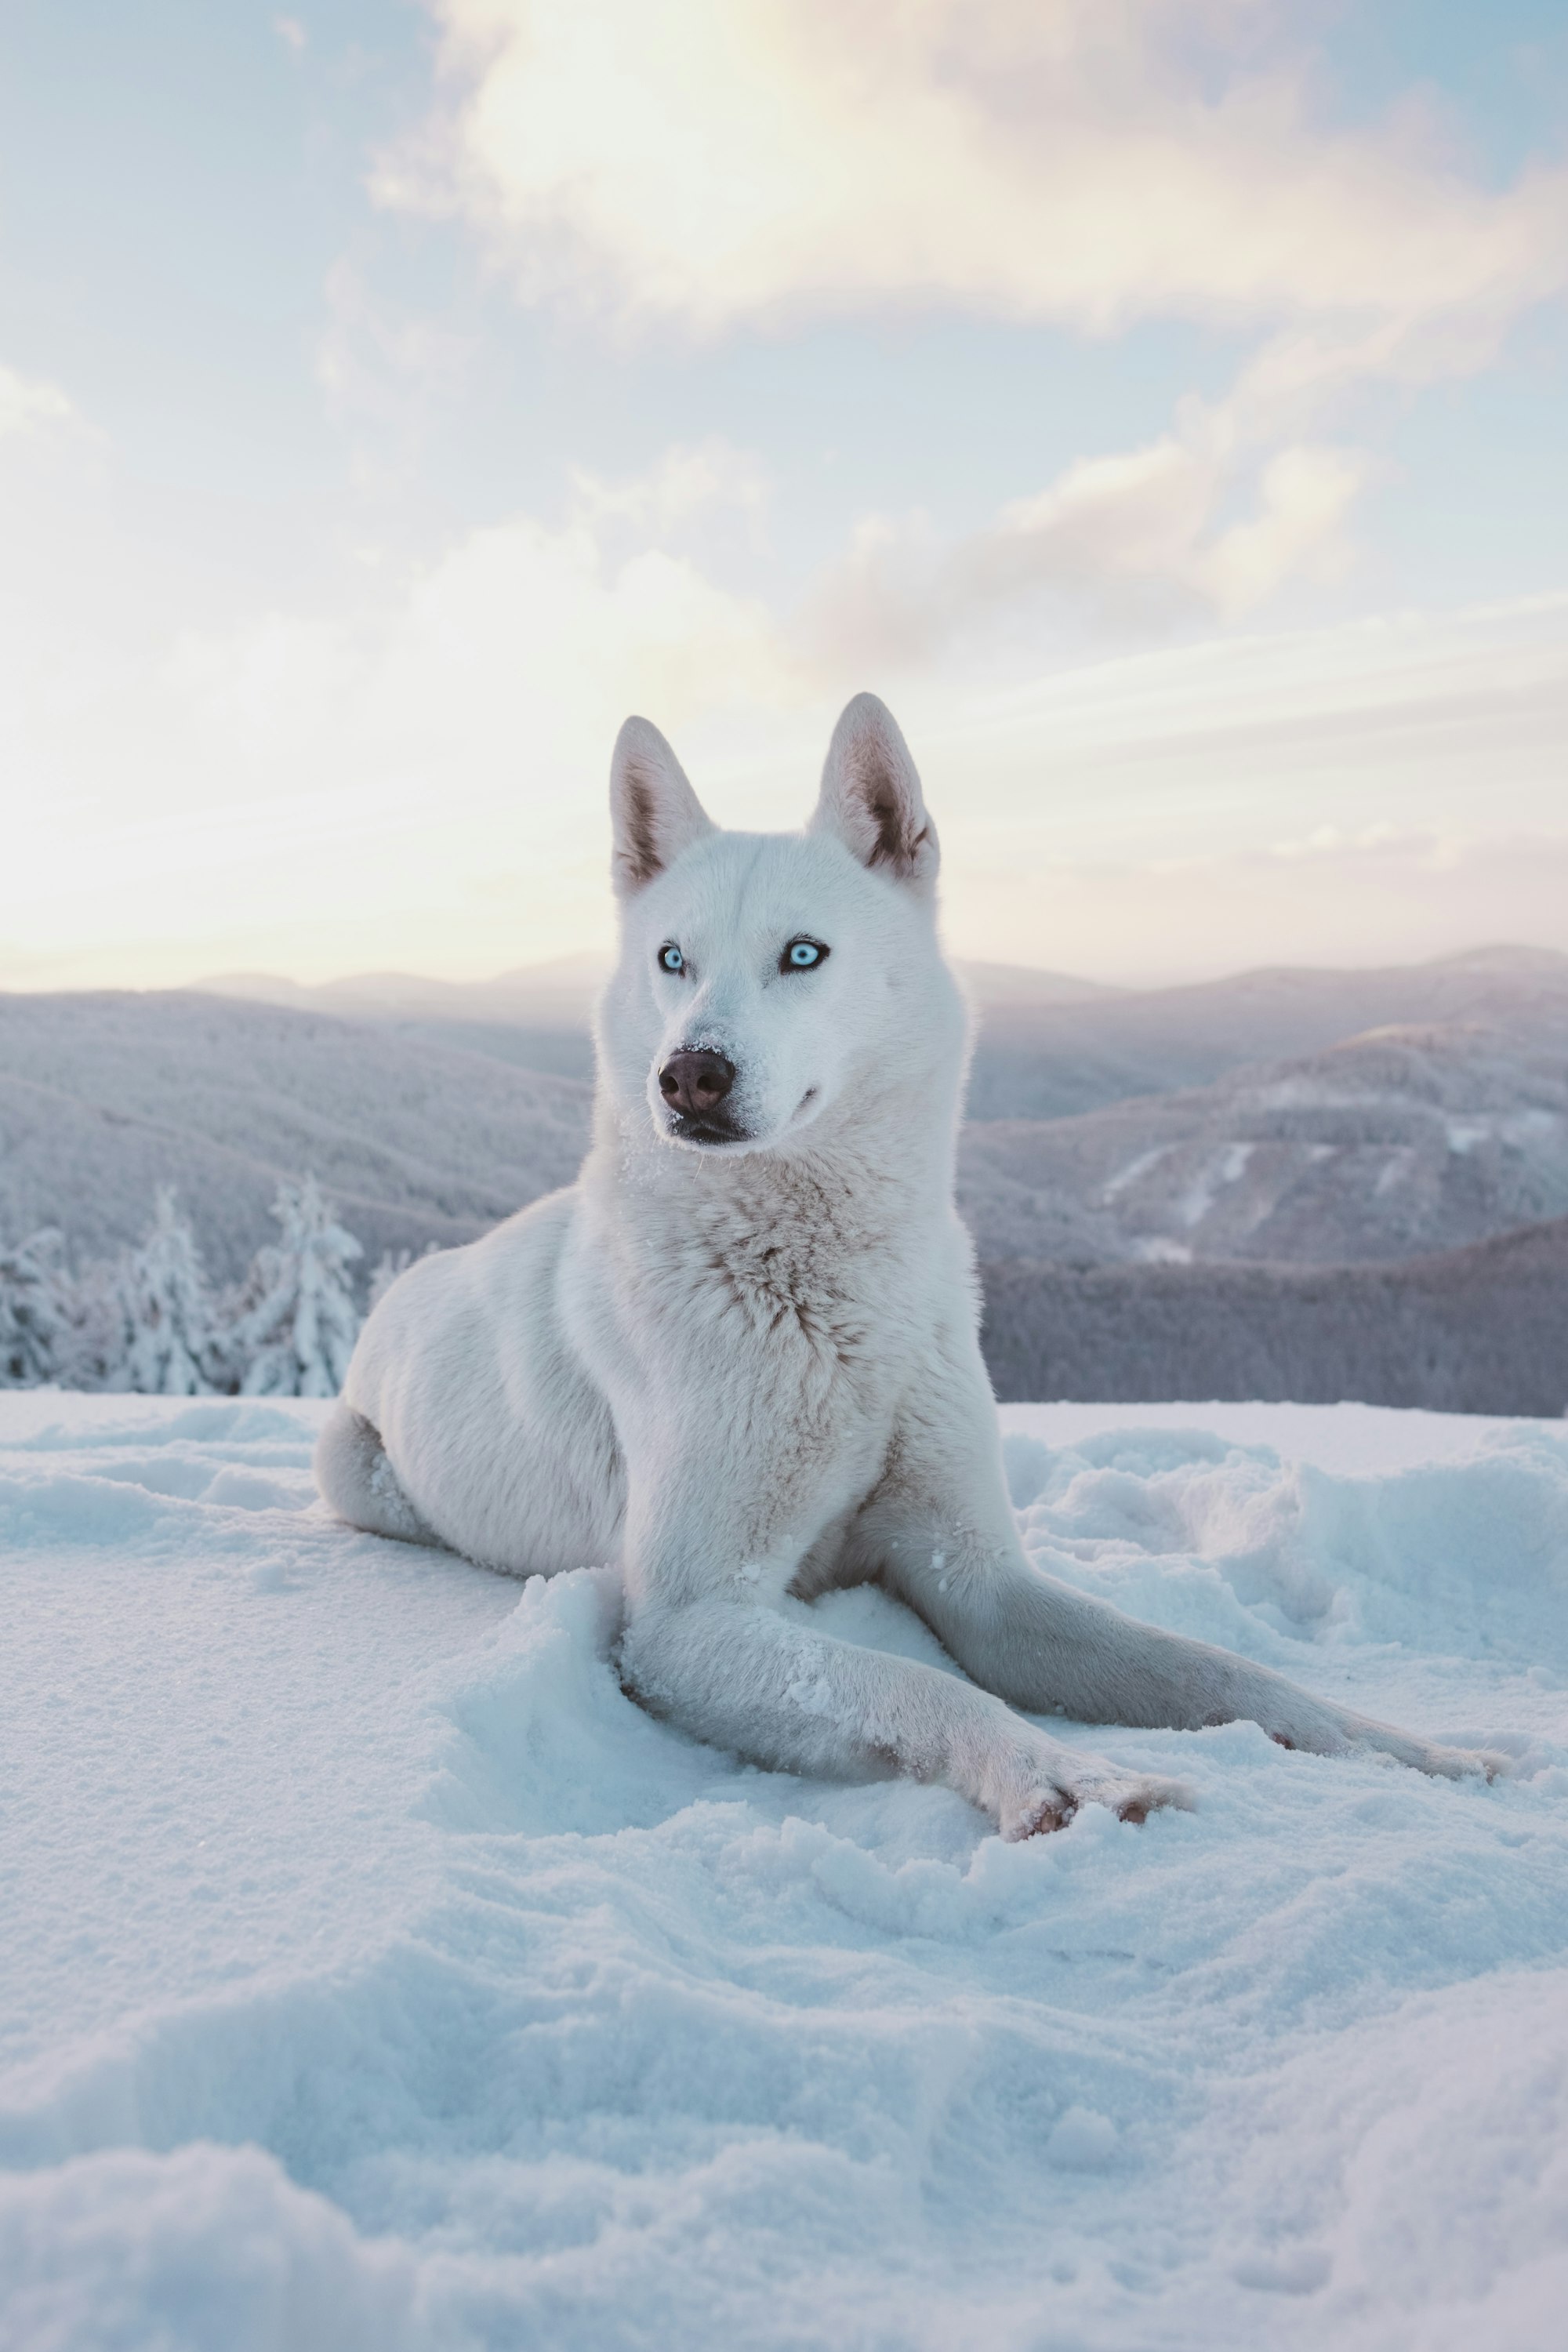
pixel 711 1130
pixel 686 1127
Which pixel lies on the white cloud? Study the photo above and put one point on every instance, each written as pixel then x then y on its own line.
pixel 383 369
pixel 716 162
pixel 1140 537
pixel 418 781
pixel 1373 790
pixel 417 778
pixel 415 774
pixel 28 404
pixel 688 482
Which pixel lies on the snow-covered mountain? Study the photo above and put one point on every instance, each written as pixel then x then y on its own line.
pixel 1411 1138
pixel 1051 1062
pixel 560 993
pixel 104 1095
pixel 557 994
pixel 1399 1141
pixel 538 1017
pixel 1050 1046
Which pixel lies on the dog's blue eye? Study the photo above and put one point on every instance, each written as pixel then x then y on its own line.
pixel 801 954
pixel 670 958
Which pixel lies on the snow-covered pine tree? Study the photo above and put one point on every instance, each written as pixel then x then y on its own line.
pixel 93 1354
pixel 35 1310
pixel 170 1342
pixel 297 1323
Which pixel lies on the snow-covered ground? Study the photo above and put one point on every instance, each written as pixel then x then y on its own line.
pixel 375 1974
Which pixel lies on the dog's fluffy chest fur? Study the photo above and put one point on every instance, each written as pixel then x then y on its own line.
pixel 787 1288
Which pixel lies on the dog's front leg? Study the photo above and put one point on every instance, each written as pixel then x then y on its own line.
pixel 762 1682
pixel 713 1645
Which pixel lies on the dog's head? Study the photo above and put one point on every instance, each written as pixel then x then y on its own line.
pixel 767 980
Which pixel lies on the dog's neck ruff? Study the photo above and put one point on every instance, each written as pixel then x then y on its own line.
pixel 833 1210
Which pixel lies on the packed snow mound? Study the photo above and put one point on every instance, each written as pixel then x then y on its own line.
pixel 1392 1145
pixel 373 1972
pixel 208 2246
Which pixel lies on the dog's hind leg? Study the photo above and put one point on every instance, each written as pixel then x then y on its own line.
pixel 359 1482
pixel 942 1535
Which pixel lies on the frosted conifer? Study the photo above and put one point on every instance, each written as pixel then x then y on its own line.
pixel 92 1354
pixel 169 1345
pixel 298 1322
pixel 35 1311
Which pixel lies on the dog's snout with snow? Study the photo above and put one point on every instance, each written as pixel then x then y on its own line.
pixel 695 1084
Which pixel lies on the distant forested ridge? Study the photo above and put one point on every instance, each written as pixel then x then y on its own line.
pixel 1483 1330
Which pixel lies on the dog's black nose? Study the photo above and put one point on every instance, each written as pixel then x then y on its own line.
pixel 695 1083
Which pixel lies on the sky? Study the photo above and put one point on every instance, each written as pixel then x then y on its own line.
pixel 1160 403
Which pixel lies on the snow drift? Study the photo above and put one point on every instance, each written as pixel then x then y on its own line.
pixel 375 1974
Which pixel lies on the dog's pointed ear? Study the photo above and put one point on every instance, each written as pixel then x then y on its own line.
pixel 654 811
pixel 871 796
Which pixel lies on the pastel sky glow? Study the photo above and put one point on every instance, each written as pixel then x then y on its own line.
pixel 1159 401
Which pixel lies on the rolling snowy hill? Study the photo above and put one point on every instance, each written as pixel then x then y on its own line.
pixel 538 1018
pixel 561 994
pixel 104 1095
pixel 1054 1062
pixel 1392 1143
pixel 1050 1046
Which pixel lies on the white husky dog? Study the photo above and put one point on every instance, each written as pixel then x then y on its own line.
pixel 739 1356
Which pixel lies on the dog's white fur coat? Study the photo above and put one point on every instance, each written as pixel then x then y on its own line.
pixel 748 1370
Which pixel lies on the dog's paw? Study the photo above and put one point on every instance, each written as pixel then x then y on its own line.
pixel 1131 1796
pixel 1463 1763
pixel 1038 1816
pixel 1425 1755
pixel 1323 1730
